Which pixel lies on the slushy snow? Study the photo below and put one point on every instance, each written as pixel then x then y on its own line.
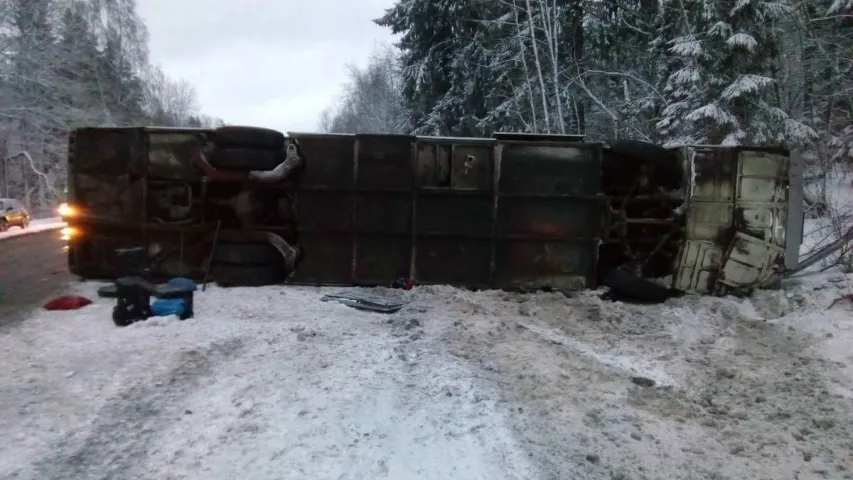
pixel 35 226
pixel 273 383
pixel 266 383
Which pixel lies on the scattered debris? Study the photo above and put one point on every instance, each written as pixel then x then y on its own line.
pixel 365 301
pixel 643 382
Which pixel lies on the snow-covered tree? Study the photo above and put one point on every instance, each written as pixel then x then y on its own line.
pixel 71 63
pixel 720 74
pixel 438 63
pixel 697 71
pixel 372 102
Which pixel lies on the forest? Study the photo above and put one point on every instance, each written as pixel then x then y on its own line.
pixel 768 73
pixel 72 63
pixel 734 72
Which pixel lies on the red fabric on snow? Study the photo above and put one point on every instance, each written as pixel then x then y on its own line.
pixel 67 302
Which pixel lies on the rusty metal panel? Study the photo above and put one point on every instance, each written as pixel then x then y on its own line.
pixel 709 221
pixel 736 217
pixel 170 155
pixel 698 266
pixel 432 209
pixel 548 216
pixel 325 225
pixel 381 258
pixel 325 212
pixel 103 171
pixel 550 169
pixel 433 164
pixel 455 261
pixel 458 216
pixel 95 257
pixel 327 261
pixel 766 222
pixel 749 261
pixel 712 193
pixel 453 238
pixel 108 197
pixel 762 176
pixel 330 163
pixel 762 194
pixel 454 211
pixel 107 152
pixel 170 253
pixel 383 208
pixel 472 167
pixel 384 163
pixel 383 213
pixel 325 209
pixel 761 210
pixel 535 264
pixel 713 171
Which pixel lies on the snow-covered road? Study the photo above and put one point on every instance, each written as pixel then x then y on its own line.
pixel 262 384
pixel 36 226
pixel 272 383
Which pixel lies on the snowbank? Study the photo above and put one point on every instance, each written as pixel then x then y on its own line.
pixel 742 388
pixel 36 226
pixel 273 383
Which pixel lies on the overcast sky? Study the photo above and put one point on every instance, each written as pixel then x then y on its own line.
pixel 272 63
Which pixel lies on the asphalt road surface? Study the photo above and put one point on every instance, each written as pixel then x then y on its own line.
pixel 32 268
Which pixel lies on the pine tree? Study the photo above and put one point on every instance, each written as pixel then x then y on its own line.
pixel 444 67
pixel 122 88
pixel 67 63
pixel 622 69
pixel 826 66
pixel 719 64
pixel 79 47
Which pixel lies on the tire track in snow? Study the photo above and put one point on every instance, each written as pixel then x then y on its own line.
pixel 116 443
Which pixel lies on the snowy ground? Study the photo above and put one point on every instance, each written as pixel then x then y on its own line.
pixel 36 226
pixel 272 383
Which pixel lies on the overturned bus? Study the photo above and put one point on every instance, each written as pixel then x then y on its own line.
pixel 249 206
